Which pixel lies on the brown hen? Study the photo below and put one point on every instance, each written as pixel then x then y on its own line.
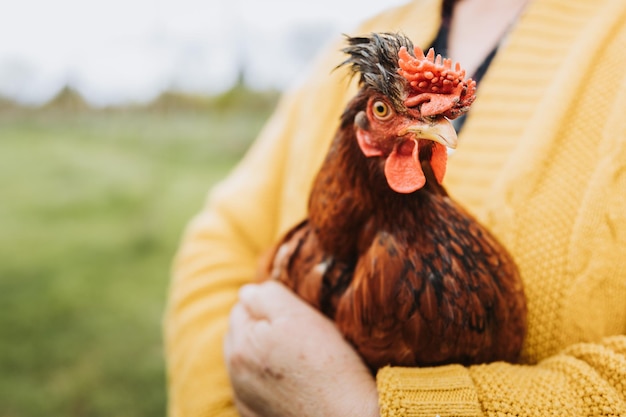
pixel 409 277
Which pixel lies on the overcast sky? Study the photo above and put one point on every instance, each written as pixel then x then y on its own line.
pixel 116 51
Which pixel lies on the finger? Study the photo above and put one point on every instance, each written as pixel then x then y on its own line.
pixel 245 334
pixel 243 342
pixel 271 300
pixel 238 321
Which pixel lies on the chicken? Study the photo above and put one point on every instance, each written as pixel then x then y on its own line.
pixel 409 277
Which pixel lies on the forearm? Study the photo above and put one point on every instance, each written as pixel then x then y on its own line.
pixel 218 254
pixel 206 279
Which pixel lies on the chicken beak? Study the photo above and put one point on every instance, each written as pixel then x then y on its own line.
pixel 439 130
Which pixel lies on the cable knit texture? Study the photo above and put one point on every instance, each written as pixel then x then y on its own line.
pixel 542 162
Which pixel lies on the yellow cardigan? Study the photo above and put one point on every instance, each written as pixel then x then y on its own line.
pixel 542 162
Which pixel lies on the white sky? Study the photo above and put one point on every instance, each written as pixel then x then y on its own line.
pixel 116 51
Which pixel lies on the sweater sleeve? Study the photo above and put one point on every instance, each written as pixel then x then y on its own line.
pixel 218 254
pixel 582 380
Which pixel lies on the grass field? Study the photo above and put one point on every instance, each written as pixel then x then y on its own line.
pixel 92 206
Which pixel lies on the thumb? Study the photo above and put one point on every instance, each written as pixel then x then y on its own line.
pixel 270 300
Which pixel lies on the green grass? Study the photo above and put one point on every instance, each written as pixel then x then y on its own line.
pixel 92 205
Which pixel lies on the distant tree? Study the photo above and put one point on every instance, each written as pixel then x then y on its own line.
pixel 67 99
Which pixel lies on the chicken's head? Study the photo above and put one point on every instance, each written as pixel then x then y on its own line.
pixel 411 99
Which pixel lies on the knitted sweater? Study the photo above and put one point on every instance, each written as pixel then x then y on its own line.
pixel 541 162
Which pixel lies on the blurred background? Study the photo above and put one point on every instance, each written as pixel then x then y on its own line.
pixel 116 118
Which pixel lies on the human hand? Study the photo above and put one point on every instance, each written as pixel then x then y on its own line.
pixel 286 359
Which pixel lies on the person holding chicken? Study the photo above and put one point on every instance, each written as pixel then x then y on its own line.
pixel 540 162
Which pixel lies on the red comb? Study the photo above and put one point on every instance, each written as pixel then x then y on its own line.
pixel 434 84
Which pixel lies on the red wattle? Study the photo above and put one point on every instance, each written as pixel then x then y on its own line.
pixel 439 161
pixel 403 170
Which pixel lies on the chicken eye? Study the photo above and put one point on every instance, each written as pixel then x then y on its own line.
pixel 381 110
